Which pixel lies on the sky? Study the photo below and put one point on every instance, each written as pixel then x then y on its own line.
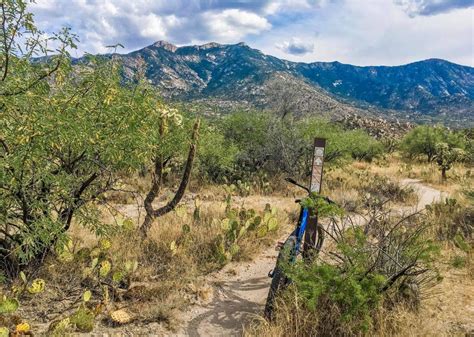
pixel 360 32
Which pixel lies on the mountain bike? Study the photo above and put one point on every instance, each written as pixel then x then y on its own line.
pixel 291 248
pixel 308 233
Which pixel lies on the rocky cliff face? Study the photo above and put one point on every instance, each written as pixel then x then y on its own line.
pixel 431 90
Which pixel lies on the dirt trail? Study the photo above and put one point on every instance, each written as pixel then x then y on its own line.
pixel 241 289
pixel 426 194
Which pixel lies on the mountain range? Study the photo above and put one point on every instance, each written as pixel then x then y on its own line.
pixel 233 75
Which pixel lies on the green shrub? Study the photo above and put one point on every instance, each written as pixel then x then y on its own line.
pixel 380 265
pixel 355 293
pixel 423 140
pixel 270 144
pixel 69 134
pixel 362 146
pixel 216 156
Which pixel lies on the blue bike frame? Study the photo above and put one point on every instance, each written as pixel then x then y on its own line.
pixel 300 230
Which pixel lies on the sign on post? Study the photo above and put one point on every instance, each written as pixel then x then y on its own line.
pixel 315 186
pixel 317 165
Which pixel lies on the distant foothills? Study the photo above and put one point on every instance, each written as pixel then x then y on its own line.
pixel 236 75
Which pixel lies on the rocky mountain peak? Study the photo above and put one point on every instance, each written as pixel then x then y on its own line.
pixel 431 90
pixel 165 45
pixel 209 45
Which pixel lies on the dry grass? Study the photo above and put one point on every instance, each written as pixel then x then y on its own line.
pixel 351 184
pixel 460 176
pixel 173 261
pixel 447 310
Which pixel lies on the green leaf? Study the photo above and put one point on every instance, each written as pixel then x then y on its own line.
pixel 266 217
pixel 186 229
pixel 461 243
pixel 105 244
pixel 23 277
pixel 242 232
pixel 234 224
pixel 173 247
pixel 94 262
pixel 256 222
pixel 180 211
pixel 117 276
pixel 128 224
pixel 83 319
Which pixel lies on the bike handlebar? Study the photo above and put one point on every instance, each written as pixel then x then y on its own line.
pixel 294 182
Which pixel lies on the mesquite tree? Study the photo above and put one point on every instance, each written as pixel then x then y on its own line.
pixel 422 141
pixel 67 133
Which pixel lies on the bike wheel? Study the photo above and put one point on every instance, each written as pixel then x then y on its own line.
pixel 279 279
pixel 319 239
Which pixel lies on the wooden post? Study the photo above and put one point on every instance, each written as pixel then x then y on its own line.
pixel 314 187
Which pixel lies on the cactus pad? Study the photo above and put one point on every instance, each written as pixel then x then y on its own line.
pixel 37 286
pixel 105 268
pixel 120 317
pixel 8 305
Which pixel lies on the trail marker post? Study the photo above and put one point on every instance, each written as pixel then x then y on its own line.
pixel 315 187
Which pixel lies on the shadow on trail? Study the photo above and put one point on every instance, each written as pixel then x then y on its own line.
pixel 229 310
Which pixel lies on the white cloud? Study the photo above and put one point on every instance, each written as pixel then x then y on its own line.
pixel 296 46
pixel 432 7
pixel 231 25
pixel 139 23
pixel 376 32
pixel 351 31
pixel 284 5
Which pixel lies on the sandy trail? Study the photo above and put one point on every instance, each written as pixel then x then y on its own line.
pixel 241 289
pixel 426 194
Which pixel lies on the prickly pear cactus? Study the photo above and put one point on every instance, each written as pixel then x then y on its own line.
pixel 105 244
pixel 8 305
pixel 65 251
pixel 197 210
pixel 131 266
pixel 4 332
pixel 272 224
pixel 60 328
pixel 37 286
pixel 240 223
pixel 105 268
pixel 83 319
pixel 22 328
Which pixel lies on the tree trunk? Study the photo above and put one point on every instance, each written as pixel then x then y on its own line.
pixel 152 213
pixel 443 174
